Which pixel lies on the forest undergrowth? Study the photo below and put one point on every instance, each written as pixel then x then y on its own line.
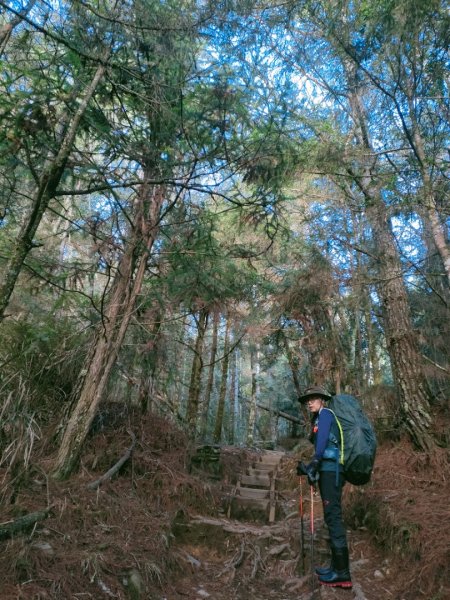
pixel 117 540
pixel 406 512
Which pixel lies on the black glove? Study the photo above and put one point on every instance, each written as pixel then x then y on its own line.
pixel 311 472
pixel 301 468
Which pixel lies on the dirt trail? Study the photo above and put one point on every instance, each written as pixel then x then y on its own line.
pixel 241 559
pixel 160 529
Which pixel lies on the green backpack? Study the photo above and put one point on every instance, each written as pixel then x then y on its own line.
pixel 359 440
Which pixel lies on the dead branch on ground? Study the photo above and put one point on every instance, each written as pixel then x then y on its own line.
pixel 115 468
pixel 23 523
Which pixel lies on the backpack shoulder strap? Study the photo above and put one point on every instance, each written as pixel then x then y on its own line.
pixel 341 458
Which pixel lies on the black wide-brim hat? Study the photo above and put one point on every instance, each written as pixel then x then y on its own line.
pixel 314 392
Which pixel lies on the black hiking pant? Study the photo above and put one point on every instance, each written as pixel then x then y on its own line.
pixel 331 495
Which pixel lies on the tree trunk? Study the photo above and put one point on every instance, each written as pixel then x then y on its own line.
pixel 149 364
pixel 400 337
pixel 430 211
pixel 223 386
pixel 254 366
pixel 437 231
pixel 358 365
pixel 293 364
pixel 336 355
pixel 196 373
pixel 48 184
pixel 210 383
pixel 233 397
pixel 181 387
pixel 374 371
pixel 109 337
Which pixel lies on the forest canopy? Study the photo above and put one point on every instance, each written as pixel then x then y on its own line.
pixel 206 207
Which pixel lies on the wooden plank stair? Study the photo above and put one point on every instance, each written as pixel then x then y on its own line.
pixel 255 492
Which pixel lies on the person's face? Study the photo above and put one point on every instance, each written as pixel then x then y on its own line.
pixel 314 404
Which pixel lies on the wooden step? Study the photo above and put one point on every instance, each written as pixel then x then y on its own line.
pixel 256 472
pixel 255 493
pixel 273 458
pixel 260 479
pixel 260 466
pixel 255 496
pixel 260 503
pixel 268 460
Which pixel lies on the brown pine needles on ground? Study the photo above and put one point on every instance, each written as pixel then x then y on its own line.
pixel 406 510
pixel 95 541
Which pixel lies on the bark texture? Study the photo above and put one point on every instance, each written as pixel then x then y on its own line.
pixel 293 364
pixel 149 364
pixel 110 335
pixel 210 382
pixel 223 387
pixel 196 373
pixel 254 365
pixel 400 337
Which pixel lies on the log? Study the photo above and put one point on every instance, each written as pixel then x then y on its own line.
pixel 23 523
pixel 115 468
pixel 280 413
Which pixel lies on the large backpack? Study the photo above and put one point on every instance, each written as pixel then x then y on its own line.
pixel 359 439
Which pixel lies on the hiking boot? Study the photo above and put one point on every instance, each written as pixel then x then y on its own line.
pixel 324 570
pixel 339 576
pixel 336 579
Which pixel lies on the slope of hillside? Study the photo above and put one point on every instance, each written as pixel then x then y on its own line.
pixel 159 531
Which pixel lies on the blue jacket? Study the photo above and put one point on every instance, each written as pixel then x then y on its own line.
pixel 325 435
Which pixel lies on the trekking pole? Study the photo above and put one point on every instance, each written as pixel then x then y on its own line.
pixel 313 575
pixel 302 529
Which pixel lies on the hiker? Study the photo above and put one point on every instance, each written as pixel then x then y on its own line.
pixel 325 468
